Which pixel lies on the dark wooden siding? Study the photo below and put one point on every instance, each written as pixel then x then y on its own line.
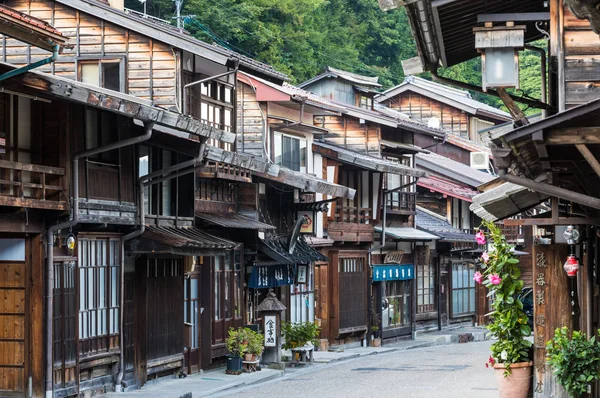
pixel 582 61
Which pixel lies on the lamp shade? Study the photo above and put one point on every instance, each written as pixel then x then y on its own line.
pixel 571 266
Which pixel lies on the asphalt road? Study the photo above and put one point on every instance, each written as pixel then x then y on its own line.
pixel 456 370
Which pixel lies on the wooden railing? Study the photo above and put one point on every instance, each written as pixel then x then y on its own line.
pixel 350 214
pixel 511 232
pixel 350 224
pixel 31 186
pixel 401 203
pixel 225 171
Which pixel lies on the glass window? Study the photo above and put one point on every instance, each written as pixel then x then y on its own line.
pixel 217 290
pixel 425 288
pixel 463 289
pixel 291 152
pixel 302 299
pixel 366 102
pixel 101 73
pixel 395 306
pixel 99 269
pixel 12 249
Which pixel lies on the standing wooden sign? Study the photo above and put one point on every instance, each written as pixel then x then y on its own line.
pixel 270 331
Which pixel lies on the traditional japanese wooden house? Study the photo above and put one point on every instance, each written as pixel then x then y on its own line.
pixel 130 235
pixel 438 105
pixel 276 122
pixel 554 157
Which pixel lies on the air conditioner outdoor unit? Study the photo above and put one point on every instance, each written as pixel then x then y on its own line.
pixel 480 160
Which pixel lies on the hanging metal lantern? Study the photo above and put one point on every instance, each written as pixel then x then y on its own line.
pixel 571 235
pixel 571 266
pixel 70 243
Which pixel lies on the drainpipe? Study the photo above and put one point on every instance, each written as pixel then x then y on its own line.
pixel 27 68
pixel 302 101
pixel 550 190
pixel 69 224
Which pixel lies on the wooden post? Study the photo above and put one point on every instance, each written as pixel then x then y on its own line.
pixel 552 309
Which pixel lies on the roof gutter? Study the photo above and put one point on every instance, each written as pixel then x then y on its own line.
pixel 550 190
pixel 27 68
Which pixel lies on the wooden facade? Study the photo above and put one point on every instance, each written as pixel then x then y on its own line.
pixel 144 67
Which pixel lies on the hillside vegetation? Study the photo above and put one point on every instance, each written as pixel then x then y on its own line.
pixel 301 37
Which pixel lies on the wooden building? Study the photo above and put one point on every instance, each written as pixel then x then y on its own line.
pixel 109 113
pixel 549 161
pixel 438 105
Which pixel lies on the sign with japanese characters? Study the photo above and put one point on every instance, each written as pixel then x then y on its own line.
pixel 308 224
pixel 390 272
pixel 301 273
pixel 270 331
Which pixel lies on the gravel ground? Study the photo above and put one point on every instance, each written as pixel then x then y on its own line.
pixel 456 370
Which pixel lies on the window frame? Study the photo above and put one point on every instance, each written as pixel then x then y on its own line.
pixel 212 95
pixel 470 288
pixel 278 137
pixel 120 59
pixel 111 295
pixel 425 292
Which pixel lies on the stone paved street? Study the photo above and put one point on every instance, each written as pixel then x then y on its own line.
pixel 456 370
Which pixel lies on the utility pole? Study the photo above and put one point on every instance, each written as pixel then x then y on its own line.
pixel 178 5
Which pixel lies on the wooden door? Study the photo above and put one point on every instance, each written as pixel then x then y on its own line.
pixel 352 288
pixel 322 298
pixel 13 321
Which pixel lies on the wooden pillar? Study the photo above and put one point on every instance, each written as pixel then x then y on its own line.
pixel 552 309
pixel 141 321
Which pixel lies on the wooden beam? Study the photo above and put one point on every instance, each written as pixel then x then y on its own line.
pixel 573 136
pixel 589 157
pixel 514 110
pixel 119 103
pixel 550 221
pixel 538 141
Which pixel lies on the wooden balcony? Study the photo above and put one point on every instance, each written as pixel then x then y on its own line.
pixel 31 186
pixel 403 203
pixel 350 224
pixel 225 171
pixel 512 233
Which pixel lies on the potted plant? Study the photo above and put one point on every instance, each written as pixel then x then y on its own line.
pixel 255 344
pixel 236 345
pixel 376 342
pixel 509 323
pixel 575 360
pixel 299 335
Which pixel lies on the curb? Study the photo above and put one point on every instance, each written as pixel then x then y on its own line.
pixel 279 374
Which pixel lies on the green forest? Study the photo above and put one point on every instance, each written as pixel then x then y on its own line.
pixel 302 37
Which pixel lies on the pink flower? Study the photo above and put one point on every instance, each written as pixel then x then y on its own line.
pixel 495 279
pixel 480 237
pixel 485 257
pixel 478 277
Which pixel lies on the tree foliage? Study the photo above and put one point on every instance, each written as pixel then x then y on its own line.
pixel 302 37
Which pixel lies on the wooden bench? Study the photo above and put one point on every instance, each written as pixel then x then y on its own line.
pixel 249 366
pixel 306 353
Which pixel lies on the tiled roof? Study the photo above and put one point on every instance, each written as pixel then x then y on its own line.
pixel 364 161
pixel 435 224
pixel 446 187
pixel 405 121
pixel 452 169
pixel 177 240
pixel 348 76
pixel 466 144
pixel 233 220
pixel 294 91
pixel 458 98
pixel 356 78
pixel 276 248
pixel 408 234
pixel 29 19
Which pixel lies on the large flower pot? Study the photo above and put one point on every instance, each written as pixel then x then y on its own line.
pixel 516 385
pixel 234 364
